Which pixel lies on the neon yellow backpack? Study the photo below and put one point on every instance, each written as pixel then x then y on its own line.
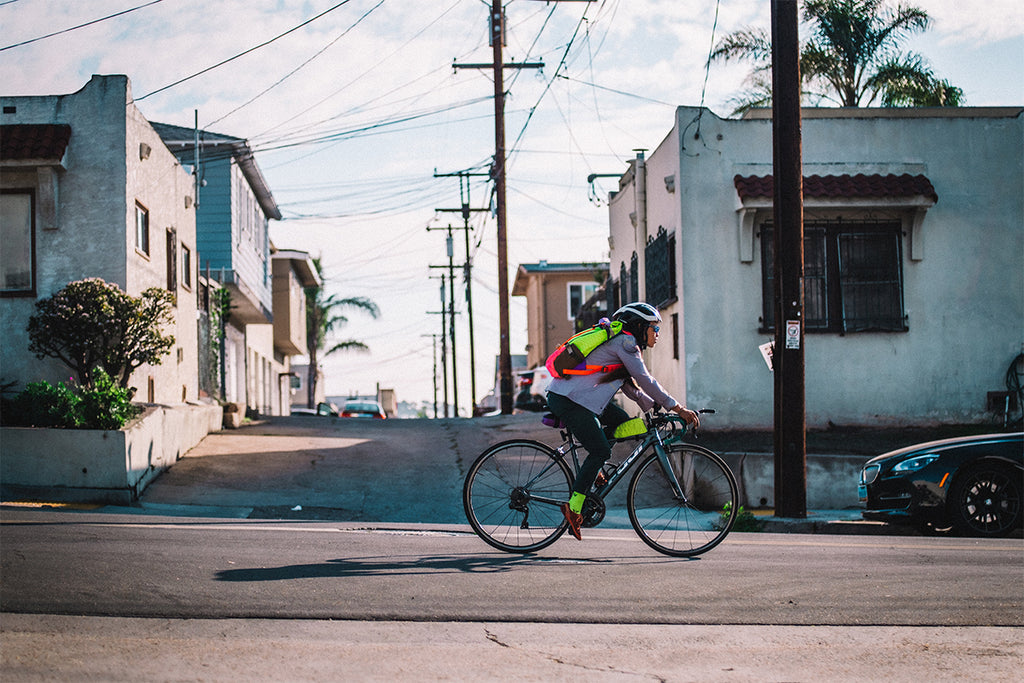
pixel 570 357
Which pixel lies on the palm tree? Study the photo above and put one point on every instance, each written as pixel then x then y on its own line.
pixel 323 316
pixel 853 58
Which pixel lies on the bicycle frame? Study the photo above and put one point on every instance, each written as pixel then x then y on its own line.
pixel 569 446
pixel 687 517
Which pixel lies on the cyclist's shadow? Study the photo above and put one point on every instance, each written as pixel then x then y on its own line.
pixel 380 566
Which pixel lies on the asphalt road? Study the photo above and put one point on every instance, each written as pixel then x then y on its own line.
pixel 193 585
pixel 89 596
pixel 113 565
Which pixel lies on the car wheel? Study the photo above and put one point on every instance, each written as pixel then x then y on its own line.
pixel 986 501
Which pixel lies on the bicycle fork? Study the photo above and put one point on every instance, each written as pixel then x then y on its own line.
pixel 685 469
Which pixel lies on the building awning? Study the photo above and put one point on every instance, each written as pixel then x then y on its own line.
pixel 860 186
pixel 910 195
pixel 34 142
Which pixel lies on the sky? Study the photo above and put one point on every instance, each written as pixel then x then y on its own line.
pixel 358 119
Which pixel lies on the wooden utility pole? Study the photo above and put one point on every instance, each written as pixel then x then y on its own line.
pixel 498 170
pixel 497 33
pixel 451 313
pixel 434 337
pixel 444 341
pixel 788 359
pixel 466 211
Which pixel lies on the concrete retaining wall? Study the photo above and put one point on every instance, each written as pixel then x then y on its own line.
pixel 91 465
pixel 831 479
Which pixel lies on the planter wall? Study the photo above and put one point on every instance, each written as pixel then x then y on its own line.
pixel 92 465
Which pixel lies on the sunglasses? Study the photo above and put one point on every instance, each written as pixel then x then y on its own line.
pixel 655 328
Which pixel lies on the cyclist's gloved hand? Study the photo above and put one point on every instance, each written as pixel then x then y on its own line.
pixel 689 416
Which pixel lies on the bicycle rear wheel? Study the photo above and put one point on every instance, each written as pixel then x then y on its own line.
pixel 502 490
pixel 687 525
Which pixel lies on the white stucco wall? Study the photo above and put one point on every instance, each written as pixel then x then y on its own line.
pixel 166 189
pixel 964 299
pixel 102 178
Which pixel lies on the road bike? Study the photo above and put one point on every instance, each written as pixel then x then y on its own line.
pixel 682 499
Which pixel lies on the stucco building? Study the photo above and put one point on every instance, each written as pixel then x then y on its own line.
pixel 555 293
pixel 90 190
pixel 914 233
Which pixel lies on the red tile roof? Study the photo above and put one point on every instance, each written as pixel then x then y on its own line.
pixel 858 186
pixel 20 141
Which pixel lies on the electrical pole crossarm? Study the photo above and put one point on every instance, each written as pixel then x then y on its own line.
pixel 461 174
pixel 506 65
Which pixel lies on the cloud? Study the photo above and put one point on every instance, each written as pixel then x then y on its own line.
pixel 976 21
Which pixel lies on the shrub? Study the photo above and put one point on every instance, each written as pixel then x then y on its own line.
pixel 106 404
pixel 745 519
pixel 95 324
pixel 42 404
pixel 100 404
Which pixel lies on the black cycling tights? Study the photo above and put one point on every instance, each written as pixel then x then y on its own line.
pixel 589 430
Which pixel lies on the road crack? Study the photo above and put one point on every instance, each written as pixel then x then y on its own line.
pixel 493 637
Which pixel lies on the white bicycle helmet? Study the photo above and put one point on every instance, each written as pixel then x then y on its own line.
pixel 636 317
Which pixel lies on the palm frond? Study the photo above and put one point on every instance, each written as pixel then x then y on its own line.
pixel 847 57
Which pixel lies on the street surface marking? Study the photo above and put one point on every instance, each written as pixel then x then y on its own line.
pixel 1013 545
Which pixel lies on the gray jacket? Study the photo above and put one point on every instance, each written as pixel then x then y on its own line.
pixel 594 394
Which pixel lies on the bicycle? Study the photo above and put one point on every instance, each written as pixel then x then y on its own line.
pixel 682 499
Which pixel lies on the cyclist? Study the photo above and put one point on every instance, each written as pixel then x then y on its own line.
pixel 583 402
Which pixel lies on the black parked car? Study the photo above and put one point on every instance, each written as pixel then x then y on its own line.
pixel 972 484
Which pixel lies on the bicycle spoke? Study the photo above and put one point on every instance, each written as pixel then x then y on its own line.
pixel 691 523
pixel 498 495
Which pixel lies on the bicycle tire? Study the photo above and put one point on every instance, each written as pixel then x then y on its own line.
pixel 683 527
pixel 498 495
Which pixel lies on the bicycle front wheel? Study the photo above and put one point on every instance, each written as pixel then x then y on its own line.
pixel 512 495
pixel 688 510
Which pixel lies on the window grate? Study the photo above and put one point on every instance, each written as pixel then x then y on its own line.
pixel 853 278
pixel 660 272
pixel 634 278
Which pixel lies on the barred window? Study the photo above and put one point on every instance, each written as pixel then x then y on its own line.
pixel 634 278
pixel 186 267
pixel 660 274
pixel 853 276
pixel 611 292
pixel 593 309
pixel 623 284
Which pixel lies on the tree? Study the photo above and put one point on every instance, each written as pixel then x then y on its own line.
pixel 853 58
pixel 323 316
pixel 94 324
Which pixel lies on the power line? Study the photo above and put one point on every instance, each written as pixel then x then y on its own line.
pixel 547 87
pixel 342 134
pixel 75 28
pixel 617 92
pixel 707 66
pixel 242 54
pixel 360 76
pixel 300 66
